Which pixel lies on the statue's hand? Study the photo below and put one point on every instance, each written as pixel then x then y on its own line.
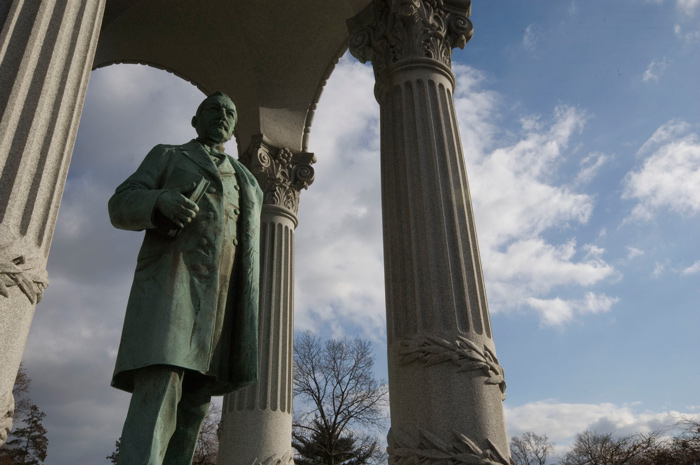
pixel 176 207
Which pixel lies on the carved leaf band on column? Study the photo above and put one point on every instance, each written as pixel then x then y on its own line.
pixel 389 31
pixel 19 269
pixel 432 350
pixel 427 448
pixel 281 173
pixel 7 410
pixel 286 459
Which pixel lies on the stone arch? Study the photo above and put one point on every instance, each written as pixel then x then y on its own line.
pixel 446 383
pixel 272 58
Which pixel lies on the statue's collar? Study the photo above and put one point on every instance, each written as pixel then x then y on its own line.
pixel 211 150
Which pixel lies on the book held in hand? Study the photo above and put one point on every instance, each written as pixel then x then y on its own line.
pixel 195 196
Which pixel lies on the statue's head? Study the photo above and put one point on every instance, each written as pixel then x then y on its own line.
pixel 215 119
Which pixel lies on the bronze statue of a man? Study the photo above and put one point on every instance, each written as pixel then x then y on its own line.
pixel 190 330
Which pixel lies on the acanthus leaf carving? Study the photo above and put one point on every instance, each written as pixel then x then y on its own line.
pixel 281 173
pixel 285 459
pixel 467 356
pixel 390 31
pixel 428 448
pixel 7 411
pixel 26 271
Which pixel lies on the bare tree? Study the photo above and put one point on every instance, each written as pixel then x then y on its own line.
pixel 683 449
pixel 207 449
pixel 591 448
pixel 20 391
pixel 208 443
pixel 336 397
pixel 687 444
pixel 530 449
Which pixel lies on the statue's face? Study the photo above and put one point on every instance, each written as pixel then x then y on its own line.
pixel 215 120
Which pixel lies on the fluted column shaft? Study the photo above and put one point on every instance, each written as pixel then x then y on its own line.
pixel 446 386
pixel 46 52
pixel 257 420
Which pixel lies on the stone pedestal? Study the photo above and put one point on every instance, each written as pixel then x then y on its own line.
pixel 446 386
pixel 257 420
pixel 46 51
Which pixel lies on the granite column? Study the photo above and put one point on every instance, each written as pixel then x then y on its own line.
pixel 46 52
pixel 446 385
pixel 256 425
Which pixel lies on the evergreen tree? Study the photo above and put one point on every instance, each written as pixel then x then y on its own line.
pixel 114 456
pixel 322 447
pixel 28 444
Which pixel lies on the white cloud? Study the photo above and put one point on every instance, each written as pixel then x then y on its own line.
pixel 339 266
pixel 665 133
pixel 561 421
pixel 654 71
pixel 659 268
pixel 693 269
pixel 70 357
pixel 339 281
pixel 688 6
pixel 669 176
pixel 596 303
pixel 558 312
pixel 590 166
pixel 516 199
pixel 530 38
pixel 633 252
pixel 593 251
pixel 553 312
pixel 476 108
pixel 687 37
pixel 514 188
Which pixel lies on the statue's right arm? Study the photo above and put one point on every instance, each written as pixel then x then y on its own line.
pixel 133 205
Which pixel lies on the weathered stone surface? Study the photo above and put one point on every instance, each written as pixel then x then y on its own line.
pixel 282 173
pixel 427 448
pixel 392 31
pixel 446 385
pixel 272 58
pixel 21 269
pixel 257 420
pixel 46 50
pixel 7 407
pixel 435 295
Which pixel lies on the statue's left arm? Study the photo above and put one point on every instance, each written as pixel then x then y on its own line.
pixel 133 205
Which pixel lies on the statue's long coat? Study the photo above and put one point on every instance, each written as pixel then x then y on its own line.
pixel 187 307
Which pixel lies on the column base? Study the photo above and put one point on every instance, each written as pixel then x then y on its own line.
pixel 260 438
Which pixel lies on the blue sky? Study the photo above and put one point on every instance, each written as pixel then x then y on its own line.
pixel 581 130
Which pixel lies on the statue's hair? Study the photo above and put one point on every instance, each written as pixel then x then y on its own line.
pixel 219 94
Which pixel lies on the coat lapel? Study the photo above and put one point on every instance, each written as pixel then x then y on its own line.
pixel 195 152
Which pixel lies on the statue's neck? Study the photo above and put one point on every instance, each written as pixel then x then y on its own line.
pixel 212 146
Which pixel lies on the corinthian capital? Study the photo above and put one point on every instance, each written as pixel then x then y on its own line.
pixel 390 31
pixel 281 172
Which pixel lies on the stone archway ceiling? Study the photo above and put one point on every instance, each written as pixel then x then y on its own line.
pixel 271 56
